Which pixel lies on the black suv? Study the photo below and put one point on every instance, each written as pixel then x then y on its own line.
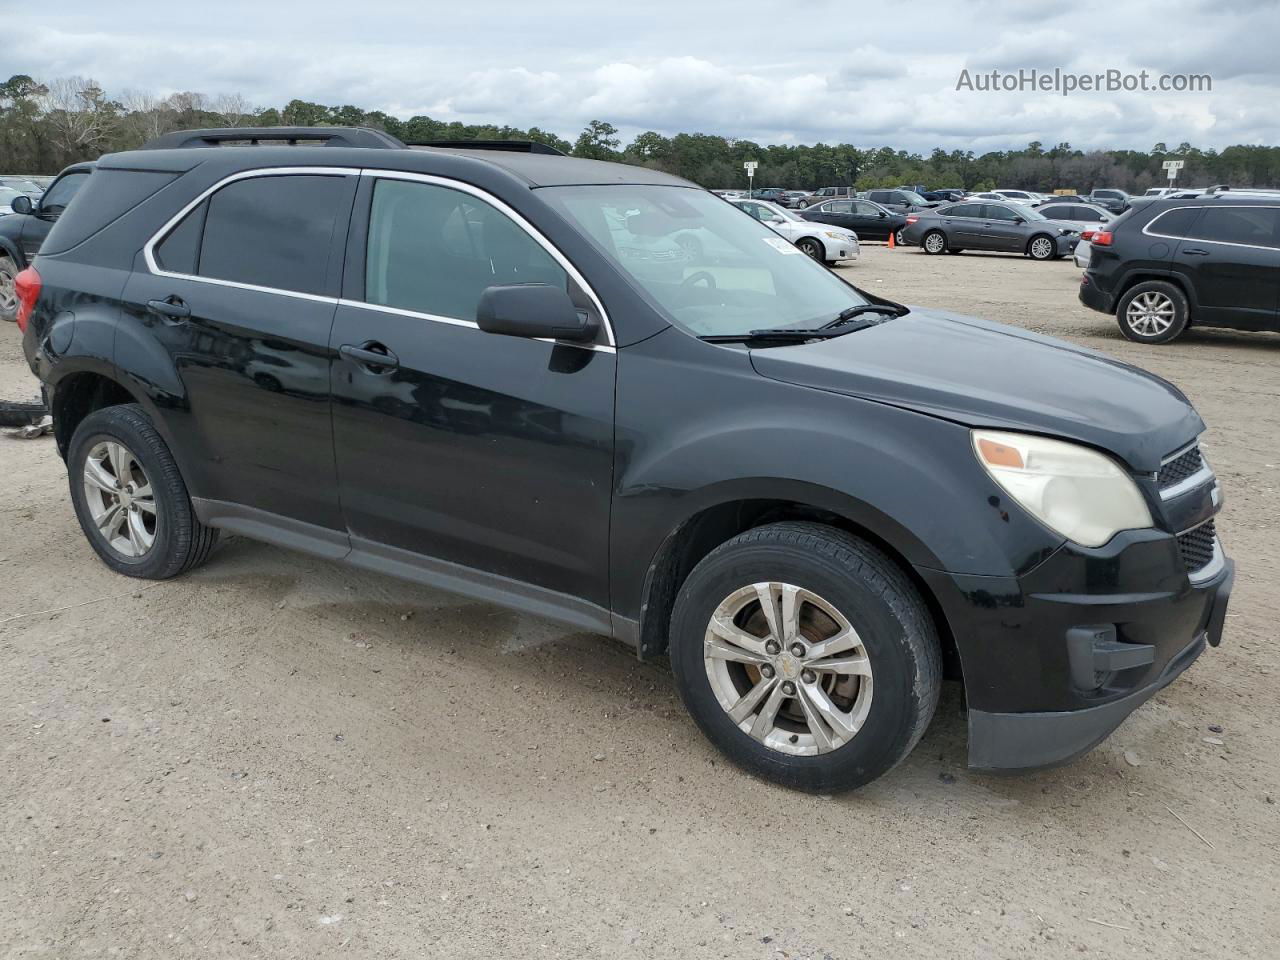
pixel 1168 264
pixel 498 372
pixel 24 230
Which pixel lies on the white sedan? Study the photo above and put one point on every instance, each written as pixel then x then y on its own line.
pixel 819 240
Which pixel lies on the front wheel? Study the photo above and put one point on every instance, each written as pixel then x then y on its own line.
pixel 130 498
pixel 934 242
pixel 806 656
pixel 812 248
pixel 1042 247
pixel 8 296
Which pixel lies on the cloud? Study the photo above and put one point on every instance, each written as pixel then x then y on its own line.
pixel 765 71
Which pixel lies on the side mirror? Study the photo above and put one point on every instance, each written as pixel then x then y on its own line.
pixel 1018 220
pixel 22 204
pixel 533 310
pixel 881 214
pixel 774 218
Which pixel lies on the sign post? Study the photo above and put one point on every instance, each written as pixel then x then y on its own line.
pixel 750 167
pixel 1171 168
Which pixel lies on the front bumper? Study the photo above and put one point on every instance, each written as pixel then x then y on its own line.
pixel 1055 660
pixel 840 249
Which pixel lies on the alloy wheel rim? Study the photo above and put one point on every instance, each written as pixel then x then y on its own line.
pixel 811 249
pixel 934 243
pixel 1150 314
pixel 788 668
pixel 1041 248
pixel 8 295
pixel 120 499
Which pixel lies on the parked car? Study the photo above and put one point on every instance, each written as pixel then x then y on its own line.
pixel 22 185
pixel 868 220
pixel 794 199
pixel 1018 196
pixel 829 193
pixel 900 201
pixel 827 244
pixel 770 194
pixel 1062 198
pixel 945 195
pixel 22 232
pixel 1007 227
pixel 814 501
pixel 1078 216
pixel 1117 201
pixel 1169 264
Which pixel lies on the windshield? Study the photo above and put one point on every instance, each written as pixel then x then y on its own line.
pixel 708 265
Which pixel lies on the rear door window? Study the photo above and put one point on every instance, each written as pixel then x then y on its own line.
pixel 271 231
pixel 838 206
pixel 1252 226
pixel 433 249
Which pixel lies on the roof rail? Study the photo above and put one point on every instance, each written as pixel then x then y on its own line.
pixel 329 136
pixel 514 146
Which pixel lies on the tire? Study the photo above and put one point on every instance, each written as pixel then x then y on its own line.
pixel 934 242
pixel 812 248
pixel 8 298
pixel 895 639
pixel 899 240
pixel 1153 312
pixel 1042 247
pixel 178 540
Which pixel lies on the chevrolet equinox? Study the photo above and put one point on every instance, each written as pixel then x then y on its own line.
pixel 499 371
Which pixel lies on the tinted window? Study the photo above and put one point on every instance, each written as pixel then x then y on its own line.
pixel 993 211
pixel 1256 226
pixel 1175 223
pixel 434 250
pixel 179 251
pixel 60 194
pixel 880 196
pixel 964 210
pixel 865 209
pixel 273 231
pixel 107 196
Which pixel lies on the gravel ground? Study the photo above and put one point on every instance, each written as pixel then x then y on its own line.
pixel 277 756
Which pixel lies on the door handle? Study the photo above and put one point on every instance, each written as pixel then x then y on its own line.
pixel 171 308
pixel 1196 252
pixel 371 355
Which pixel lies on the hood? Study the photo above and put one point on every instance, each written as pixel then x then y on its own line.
pixel 984 374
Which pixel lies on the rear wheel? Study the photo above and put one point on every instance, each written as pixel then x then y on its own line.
pixel 811 248
pixel 1153 312
pixel 898 239
pixel 934 242
pixel 806 656
pixel 130 498
pixel 8 296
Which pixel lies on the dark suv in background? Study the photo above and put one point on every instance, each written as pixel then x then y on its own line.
pixel 1167 264
pixel 498 372
pixel 24 230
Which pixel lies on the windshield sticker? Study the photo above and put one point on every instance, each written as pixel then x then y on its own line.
pixel 782 246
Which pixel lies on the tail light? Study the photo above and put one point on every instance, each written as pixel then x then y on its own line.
pixel 26 287
pixel 911 220
pixel 1087 234
pixel 1102 238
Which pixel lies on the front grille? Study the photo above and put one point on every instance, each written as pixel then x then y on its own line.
pixel 1196 546
pixel 1180 467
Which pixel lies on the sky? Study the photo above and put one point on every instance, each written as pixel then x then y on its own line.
pixel 764 70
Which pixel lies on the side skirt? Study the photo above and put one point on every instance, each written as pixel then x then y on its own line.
pixel 406 565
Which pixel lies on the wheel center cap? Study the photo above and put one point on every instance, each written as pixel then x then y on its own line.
pixel 788 666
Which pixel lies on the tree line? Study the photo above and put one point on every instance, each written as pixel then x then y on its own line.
pixel 45 125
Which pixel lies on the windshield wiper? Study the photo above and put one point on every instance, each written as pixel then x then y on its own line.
pixel 844 316
pixel 781 335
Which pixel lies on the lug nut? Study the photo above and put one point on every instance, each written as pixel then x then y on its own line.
pixel 766 671
pixel 797 649
pixel 809 676
pixel 789 688
pixel 772 648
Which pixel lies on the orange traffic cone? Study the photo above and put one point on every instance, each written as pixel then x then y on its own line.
pixel 891 244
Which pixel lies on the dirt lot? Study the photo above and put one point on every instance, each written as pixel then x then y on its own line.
pixel 278 756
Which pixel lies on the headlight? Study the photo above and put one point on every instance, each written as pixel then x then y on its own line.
pixel 843 237
pixel 1077 492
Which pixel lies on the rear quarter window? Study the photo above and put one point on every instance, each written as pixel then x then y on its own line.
pixel 1171 223
pixel 102 198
